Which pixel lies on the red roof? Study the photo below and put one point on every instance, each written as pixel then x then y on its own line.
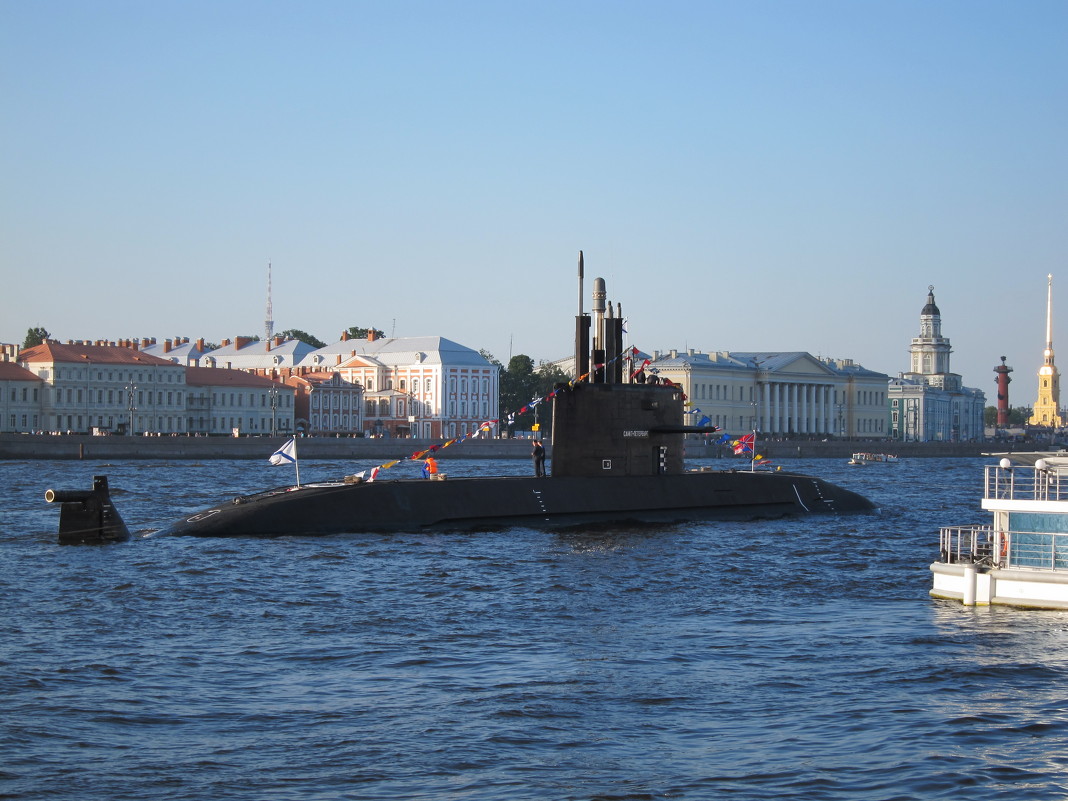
pixel 9 371
pixel 53 352
pixel 223 377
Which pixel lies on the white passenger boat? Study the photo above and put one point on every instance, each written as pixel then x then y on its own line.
pixel 861 459
pixel 1021 557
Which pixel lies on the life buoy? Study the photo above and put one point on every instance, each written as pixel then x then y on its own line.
pixel 1004 545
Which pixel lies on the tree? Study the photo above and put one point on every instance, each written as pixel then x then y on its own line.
pixel 521 383
pixel 356 332
pixel 303 336
pixel 35 336
pixel 1018 415
pixel 518 386
pixel 548 377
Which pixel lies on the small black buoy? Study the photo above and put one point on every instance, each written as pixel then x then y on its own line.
pixel 88 517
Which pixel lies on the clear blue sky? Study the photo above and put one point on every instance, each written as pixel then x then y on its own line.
pixel 746 176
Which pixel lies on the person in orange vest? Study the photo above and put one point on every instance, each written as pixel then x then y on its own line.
pixel 430 467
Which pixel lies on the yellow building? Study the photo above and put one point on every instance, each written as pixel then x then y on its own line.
pixel 1047 408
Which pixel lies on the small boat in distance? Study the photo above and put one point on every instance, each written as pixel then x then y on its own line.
pixel 862 459
pixel 1021 557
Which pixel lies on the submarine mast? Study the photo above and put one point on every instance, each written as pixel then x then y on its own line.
pixel 582 331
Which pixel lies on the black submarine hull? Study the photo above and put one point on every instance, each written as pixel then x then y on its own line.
pixel 482 503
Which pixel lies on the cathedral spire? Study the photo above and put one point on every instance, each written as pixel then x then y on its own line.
pixel 1047 411
pixel 1049 320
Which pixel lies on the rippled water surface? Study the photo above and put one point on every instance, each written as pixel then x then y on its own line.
pixel 797 658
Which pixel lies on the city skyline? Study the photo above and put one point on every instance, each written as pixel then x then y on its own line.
pixel 758 177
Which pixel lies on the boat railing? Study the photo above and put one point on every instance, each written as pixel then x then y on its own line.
pixel 1026 483
pixel 985 545
pixel 967 544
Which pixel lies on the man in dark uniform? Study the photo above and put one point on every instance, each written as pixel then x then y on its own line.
pixel 538 455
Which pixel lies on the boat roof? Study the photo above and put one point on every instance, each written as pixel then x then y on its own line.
pixel 1052 458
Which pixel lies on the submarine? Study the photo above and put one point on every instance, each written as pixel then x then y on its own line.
pixel 617 457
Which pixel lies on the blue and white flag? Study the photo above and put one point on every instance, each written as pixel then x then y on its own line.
pixel 287 454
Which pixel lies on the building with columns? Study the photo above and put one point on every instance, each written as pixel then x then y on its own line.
pixel 929 403
pixel 779 394
pixel 1047 409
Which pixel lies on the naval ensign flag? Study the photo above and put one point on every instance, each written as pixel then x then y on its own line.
pixel 287 453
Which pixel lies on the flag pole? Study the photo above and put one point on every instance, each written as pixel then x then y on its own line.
pixel 752 460
pixel 296 461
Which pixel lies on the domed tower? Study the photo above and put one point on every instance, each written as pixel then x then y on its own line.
pixel 1047 408
pixel 930 350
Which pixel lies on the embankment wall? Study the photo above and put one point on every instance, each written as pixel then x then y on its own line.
pixel 78 446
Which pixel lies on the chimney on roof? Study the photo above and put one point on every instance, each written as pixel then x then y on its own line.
pixel 371 335
pixel 166 346
pixel 200 344
pixel 339 358
pixel 240 342
pixel 278 340
pixel 226 343
pixel 344 336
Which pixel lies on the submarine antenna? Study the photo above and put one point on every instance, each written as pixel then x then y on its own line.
pixel 582 331
pixel 580 283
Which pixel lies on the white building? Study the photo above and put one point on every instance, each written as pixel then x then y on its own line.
pixel 106 388
pixel 929 403
pixel 428 387
pixel 255 355
pixel 236 403
pixel 178 350
pixel 327 404
pixel 20 396
pixel 779 394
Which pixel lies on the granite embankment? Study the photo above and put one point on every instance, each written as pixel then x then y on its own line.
pixel 843 449
pixel 76 446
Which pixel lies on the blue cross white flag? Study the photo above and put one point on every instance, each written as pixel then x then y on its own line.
pixel 287 454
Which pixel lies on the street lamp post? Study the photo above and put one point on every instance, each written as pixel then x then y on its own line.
pixel 273 392
pixel 131 388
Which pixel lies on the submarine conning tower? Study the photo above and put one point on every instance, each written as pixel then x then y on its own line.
pixel 88 517
pixel 608 426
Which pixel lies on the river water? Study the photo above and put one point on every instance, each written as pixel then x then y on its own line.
pixel 797 658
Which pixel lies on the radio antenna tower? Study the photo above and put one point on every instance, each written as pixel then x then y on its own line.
pixel 268 324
